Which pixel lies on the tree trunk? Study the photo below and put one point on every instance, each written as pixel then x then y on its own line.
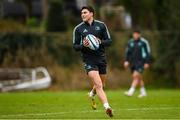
pixel 45 9
pixel 1 10
pixel 135 10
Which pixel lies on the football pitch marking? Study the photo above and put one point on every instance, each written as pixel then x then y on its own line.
pixel 90 111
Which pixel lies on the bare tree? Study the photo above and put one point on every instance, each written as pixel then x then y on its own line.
pixel 1 9
pixel 45 9
pixel 28 6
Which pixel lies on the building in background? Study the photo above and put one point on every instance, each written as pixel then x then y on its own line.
pixel 21 10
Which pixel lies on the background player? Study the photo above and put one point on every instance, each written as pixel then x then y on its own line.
pixel 138 58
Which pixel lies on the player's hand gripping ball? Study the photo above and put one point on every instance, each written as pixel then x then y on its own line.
pixel 91 41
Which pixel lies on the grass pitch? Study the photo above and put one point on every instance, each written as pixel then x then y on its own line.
pixel 159 104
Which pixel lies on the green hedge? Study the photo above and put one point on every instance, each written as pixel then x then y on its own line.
pixel 55 52
pixel 35 44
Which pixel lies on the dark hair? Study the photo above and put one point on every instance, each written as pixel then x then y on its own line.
pixel 137 30
pixel 89 8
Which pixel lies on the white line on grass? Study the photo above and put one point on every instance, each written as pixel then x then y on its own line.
pixel 53 113
pixel 148 109
pixel 89 111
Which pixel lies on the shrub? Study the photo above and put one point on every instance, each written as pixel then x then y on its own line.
pixel 32 22
pixel 11 26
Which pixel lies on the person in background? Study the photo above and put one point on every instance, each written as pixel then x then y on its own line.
pixel 137 57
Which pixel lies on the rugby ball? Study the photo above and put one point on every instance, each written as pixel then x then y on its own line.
pixel 93 42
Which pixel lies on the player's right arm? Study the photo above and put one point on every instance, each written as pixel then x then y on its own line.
pixel 77 40
pixel 127 56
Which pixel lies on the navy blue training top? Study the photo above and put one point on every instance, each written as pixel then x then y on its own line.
pixel 98 29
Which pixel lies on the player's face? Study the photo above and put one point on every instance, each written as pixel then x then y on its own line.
pixel 86 15
pixel 136 35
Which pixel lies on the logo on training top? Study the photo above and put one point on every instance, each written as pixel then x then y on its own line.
pixel 97 28
pixel 87 66
pixel 85 30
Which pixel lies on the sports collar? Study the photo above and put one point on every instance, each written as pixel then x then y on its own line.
pixel 89 24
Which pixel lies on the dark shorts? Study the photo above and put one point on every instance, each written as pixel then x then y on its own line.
pixel 138 68
pixel 99 65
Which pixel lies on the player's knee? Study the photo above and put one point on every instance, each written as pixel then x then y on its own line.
pixel 99 85
pixel 136 75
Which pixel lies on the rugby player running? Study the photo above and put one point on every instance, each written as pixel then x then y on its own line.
pixel 94 60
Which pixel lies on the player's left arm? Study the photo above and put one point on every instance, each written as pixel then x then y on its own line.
pixel 106 39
